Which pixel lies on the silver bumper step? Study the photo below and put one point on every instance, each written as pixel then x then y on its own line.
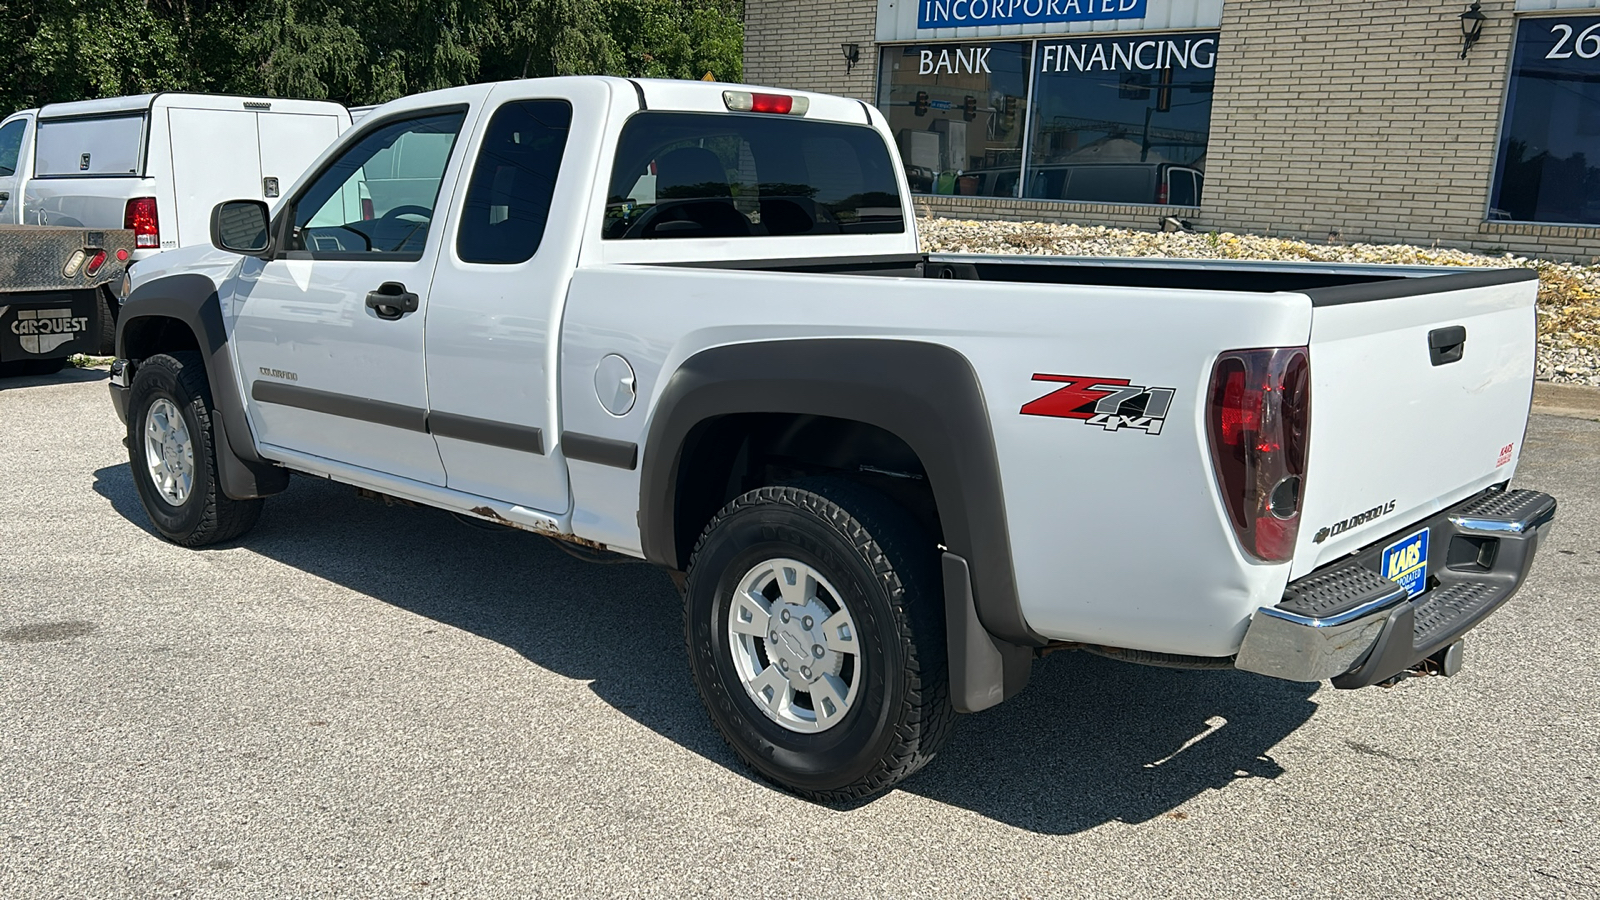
pixel 1348 623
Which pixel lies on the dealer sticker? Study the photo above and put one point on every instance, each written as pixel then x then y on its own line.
pixel 1405 562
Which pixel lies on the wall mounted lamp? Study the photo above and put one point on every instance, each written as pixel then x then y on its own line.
pixel 1471 26
pixel 852 55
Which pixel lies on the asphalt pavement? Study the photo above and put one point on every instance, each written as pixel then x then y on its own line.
pixel 359 700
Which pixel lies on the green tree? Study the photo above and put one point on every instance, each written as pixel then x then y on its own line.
pixel 355 52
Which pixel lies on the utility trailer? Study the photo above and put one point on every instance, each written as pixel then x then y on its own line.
pixel 50 283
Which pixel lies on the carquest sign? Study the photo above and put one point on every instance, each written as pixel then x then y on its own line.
pixel 955 13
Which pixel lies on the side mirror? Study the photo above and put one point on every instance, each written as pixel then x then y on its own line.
pixel 241 226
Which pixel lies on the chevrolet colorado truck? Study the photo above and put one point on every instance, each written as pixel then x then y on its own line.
pixel 689 323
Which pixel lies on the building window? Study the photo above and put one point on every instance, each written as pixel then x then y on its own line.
pixel 957 114
pixel 1121 119
pixel 1549 168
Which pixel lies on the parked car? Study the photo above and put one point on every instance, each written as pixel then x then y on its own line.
pixel 157 163
pixel 690 323
pixel 1159 183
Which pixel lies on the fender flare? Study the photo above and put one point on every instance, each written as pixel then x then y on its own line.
pixel 926 394
pixel 192 299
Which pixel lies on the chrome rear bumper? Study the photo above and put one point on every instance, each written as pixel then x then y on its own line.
pixel 1348 623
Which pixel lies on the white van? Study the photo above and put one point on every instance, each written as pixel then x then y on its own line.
pixel 156 163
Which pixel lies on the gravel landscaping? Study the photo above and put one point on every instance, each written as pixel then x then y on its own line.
pixel 1569 294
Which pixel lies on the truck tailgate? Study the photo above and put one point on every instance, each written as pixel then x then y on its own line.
pixel 1406 417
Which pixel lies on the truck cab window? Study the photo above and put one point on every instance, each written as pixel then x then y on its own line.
pixel 379 196
pixel 11 145
pixel 728 175
pixel 513 180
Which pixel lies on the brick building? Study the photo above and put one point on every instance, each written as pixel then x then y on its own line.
pixel 1356 119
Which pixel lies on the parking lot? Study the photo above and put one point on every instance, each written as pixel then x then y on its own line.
pixel 371 701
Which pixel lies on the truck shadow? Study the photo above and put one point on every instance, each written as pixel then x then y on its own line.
pixel 1090 741
pixel 68 375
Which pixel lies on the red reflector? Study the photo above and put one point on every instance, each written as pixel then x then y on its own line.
pixel 771 103
pixel 95 262
pixel 122 256
pixel 140 217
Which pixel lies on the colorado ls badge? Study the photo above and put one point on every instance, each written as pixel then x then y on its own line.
pixel 1405 562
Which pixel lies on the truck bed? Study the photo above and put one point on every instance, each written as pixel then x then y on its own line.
pixel 1327 284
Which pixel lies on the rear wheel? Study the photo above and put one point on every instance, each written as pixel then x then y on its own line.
pixel 107 344
pixel 815 633
pixel 172 451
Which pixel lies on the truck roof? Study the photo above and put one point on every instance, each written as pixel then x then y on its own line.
pixel 141 103
pixel 658 94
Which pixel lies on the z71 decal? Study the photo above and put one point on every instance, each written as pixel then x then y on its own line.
pixel 1109 403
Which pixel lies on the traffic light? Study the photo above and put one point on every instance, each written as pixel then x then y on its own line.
pixel 969 108
pixel 1164 93
pixel 921 106
pixel 1008 115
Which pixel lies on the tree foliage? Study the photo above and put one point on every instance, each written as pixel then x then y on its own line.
pixel 353 51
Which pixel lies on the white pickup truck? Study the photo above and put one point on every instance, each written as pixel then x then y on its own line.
pixel 689 323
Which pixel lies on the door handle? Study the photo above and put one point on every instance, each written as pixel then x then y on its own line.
pixel 391 300
pixel 1446 345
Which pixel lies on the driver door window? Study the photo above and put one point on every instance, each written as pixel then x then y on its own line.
pixel 377 199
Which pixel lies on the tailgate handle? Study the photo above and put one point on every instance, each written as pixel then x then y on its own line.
pixel 1445 345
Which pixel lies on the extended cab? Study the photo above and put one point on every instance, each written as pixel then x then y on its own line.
pixel 690 323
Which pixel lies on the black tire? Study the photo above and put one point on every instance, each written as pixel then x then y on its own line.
pixel 107 345
pixel 885 569
pixel 206 515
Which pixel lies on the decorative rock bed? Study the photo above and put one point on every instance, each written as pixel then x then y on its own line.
pixel 1569 294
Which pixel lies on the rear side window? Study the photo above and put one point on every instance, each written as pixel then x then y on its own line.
pixel 108 145
pixel 11 145
pixel 508 199
pixel 729 175
pixel 1183 188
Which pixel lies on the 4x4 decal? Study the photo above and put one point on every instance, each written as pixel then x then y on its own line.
pixel 1109 403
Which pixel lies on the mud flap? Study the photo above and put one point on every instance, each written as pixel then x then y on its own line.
pixel 48 324
pixel 983 670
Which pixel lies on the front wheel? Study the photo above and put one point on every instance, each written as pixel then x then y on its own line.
pixel 815 629
pixel 172 451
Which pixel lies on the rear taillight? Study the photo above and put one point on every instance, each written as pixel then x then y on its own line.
pixel 140 217
pixel 1258 413
pixel 1162 193
pixel 92 267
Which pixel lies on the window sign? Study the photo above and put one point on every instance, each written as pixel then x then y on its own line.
pixel 1549 169
pixel 1122 120
pixel 957 114
pixel 959 13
